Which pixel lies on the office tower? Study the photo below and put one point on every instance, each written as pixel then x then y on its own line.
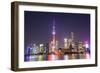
pixel 37 49
pixel 73 48
pixel 87 50
pixel 81 51
pixel 33 49
pixel 65 43
pixel 72 40
pixel 69 43
pixel 47 48
pixel 72 36
pixel 41 48
pixel 57 47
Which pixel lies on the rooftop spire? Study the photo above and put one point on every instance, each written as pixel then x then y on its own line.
pixel 53 27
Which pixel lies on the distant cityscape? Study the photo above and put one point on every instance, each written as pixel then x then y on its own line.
pixel 71 49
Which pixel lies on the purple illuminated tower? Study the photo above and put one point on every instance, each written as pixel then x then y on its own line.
pixel 52 45
pixel 54 37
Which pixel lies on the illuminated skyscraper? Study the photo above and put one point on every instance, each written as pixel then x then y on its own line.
pixel 65 43
pixel 57 44
pixel 72 40
pixel 53 43
pixel 53 37
pixel 41 48
pixel 72 36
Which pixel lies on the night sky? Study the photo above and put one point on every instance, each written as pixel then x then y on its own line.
pixel 38 26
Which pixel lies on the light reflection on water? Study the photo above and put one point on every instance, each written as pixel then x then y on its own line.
pixel 52 57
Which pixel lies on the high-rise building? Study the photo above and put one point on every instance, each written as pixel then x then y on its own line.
pixel 72 36
pixel 65 43
pixel 53 44
pixel 41 48
pixel 72 40
pixel 47 48
pixel 57 47
pixel 54 37
pixel 81 50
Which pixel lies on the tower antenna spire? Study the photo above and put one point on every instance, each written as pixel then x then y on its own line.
pixel 53 27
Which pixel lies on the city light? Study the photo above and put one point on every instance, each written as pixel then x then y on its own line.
pixel 53 33
pixel 65 42
pixel 70 49
pixel 41 45
pixel 65 39
pixel 86 44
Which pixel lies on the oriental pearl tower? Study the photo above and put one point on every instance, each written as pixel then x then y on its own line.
pixel 52 45
pixel 53 38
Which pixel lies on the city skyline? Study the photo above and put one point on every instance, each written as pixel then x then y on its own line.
pixel 56 36
pixel 38 26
